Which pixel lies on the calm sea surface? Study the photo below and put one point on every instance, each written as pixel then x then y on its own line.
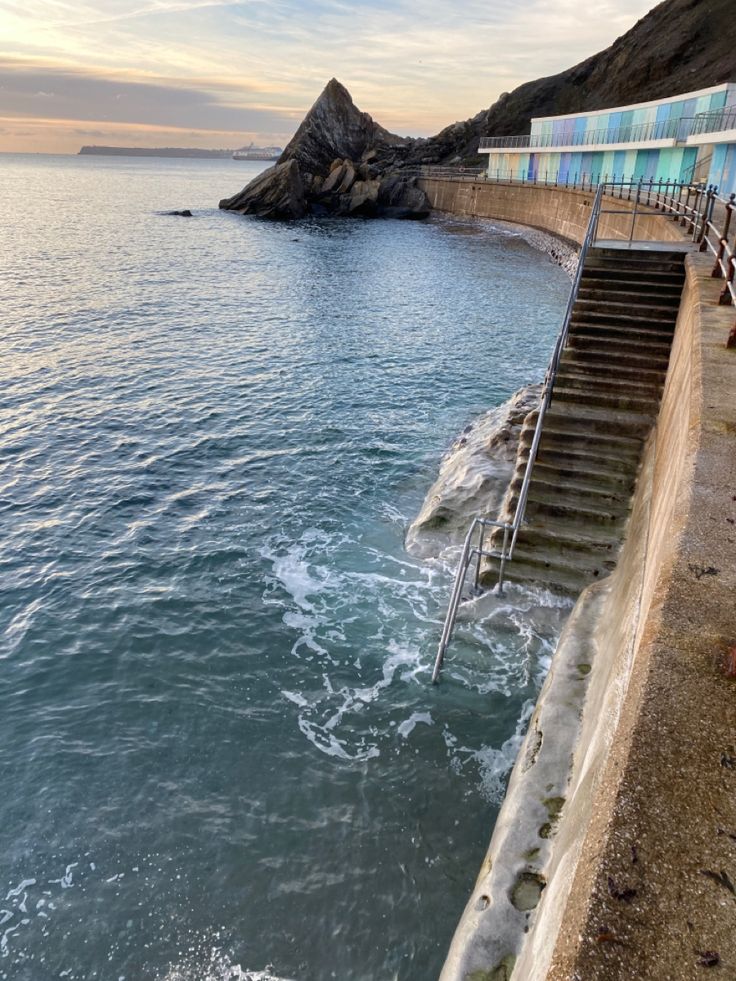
pixel 219 751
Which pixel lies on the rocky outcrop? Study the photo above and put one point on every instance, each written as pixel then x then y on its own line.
pixel 473 476
pixel 276 193
pixel 340 161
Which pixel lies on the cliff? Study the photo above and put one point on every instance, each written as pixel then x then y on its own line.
pixel 679 46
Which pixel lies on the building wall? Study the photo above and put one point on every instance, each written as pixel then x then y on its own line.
pixel 723 168
pixel 562 128
pixel 671 163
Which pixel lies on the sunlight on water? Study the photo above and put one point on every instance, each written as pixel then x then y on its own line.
pixel 222 757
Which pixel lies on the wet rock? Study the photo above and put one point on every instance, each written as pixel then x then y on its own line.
pixel 185 213
pixel 336 147
pixel 473 476
pixel 276 193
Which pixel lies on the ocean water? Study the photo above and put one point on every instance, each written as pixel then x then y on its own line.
pixel 221 756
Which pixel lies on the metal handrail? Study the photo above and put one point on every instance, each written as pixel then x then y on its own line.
pixel 665 200
pixel 512 528
pixel 713 121
pixel 716 240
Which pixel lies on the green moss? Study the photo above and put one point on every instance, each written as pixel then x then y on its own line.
pixel 584 669
pixel 531 854
pixel 501 972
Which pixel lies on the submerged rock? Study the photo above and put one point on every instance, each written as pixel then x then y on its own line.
pixel 474 476
pixel 340 161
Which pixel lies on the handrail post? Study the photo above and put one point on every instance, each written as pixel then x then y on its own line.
pixel 476 580
pixel 502 564
pixel 718 267
pixel 635 213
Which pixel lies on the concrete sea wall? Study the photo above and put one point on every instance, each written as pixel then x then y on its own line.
pixel 614 855
pixel 562 212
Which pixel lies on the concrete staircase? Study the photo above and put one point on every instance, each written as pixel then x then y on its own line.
pixel 605 401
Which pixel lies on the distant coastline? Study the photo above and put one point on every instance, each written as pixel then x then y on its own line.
pixel 138 151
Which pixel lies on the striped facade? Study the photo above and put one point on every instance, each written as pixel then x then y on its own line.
pixel 688 138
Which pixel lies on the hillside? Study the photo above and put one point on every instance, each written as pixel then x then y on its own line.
pixel 680 46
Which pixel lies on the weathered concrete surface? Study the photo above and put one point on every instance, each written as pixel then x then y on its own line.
pixel 649 895
pixel 561 211
pixel 639 870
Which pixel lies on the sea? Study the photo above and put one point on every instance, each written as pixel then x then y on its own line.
pixel 221 754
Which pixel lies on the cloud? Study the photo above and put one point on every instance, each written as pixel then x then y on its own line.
pixel 259 64
pixel 63 94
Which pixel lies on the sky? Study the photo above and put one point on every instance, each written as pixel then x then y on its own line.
pixel 208 73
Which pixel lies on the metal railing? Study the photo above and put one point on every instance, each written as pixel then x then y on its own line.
pixel 713 121
pixel 572 180
pixel 668 129
pixel 691 206
pixel 719 237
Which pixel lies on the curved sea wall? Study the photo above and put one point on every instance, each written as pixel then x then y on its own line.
pixel 614 855
pixel 560 211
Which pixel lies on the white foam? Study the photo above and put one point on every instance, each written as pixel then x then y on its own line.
pixel 416 718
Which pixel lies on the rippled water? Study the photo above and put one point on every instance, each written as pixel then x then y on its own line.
pixel 219 750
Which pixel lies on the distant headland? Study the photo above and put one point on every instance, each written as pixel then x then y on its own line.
pixel 139 151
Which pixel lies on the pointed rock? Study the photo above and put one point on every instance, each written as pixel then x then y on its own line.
pixel 276 193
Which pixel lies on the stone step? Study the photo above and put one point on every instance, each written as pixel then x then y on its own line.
pixel 600 381
pixel 575 513
pixel 654 331
pixel 549 487
pixel 605 368
pixel 617 453
pixel 584 473
pixel 652 277
pixel 665 255
pixel 615 344
pixel 659 261
pixel 575 452
pixel 665 296
pixel 591 419
pixel 630 403
pixel 613 306
pixel 599 353
pixel 560 576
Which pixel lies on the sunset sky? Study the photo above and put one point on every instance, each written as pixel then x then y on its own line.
pixel 217 74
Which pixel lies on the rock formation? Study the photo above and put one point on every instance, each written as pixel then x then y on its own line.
pixel 474 476
pixel 347 164
pixel 340 161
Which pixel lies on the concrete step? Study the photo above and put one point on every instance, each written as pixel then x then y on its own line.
pixel 652 277
pixel 550 488
pixel 575 514
pixel 590 419
pixel 636 255
pixel 660 332
pixel 618 453
pixel 584 473
pixel 599 353
pixel 575 397
pixel 601 382
pixel 665 296
pixel 655 262
pixel 627 311
pixel 604 368
pixel 560 576
pixel 627 342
